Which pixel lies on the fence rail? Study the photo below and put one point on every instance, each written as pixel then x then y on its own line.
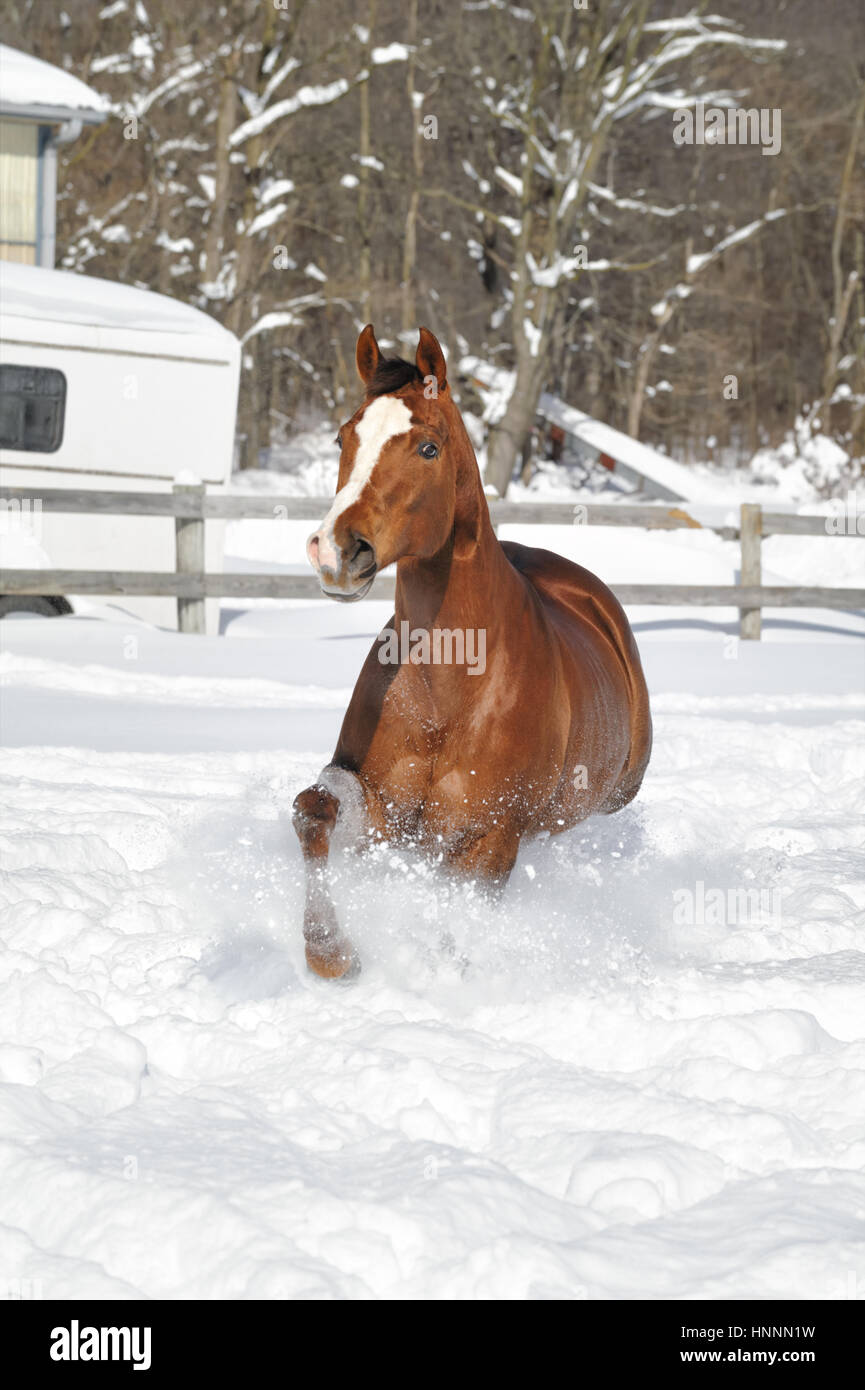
pixel 245 507
pixel 191 506
pixel 140 583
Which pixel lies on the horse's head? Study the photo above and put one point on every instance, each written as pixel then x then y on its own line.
pixel 397 470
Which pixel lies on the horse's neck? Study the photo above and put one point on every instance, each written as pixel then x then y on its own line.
pixel 464 584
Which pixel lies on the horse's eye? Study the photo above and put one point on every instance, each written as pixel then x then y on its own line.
pixel 338 441
pixel 428 451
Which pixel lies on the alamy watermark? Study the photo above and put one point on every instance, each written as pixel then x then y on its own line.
pixel 847 518
pixel 728 125
pixel 726 907
pixel 21 517
pixel 438 646
pixel 77 1343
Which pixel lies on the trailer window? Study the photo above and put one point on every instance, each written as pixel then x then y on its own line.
pixel 32 407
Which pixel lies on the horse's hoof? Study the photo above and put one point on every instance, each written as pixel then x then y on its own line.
pixel 334 965
pixel 448 948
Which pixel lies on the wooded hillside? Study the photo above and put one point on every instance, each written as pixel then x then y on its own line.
pixel 509 175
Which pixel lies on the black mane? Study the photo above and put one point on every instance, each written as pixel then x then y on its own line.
pixel 390 374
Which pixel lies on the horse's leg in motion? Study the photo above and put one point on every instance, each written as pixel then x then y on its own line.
pixel 335 802
pixel 489 858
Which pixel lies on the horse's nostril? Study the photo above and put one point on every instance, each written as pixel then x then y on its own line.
pixel 362 558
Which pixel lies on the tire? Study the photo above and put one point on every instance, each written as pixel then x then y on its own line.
pixel 41 605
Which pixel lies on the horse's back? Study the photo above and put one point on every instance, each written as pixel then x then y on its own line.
pixel 578 605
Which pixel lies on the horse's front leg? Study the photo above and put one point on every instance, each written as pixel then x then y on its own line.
pixel 336 803
pixel 488 857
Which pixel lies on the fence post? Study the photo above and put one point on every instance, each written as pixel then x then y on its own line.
pixel 751 569
pixel 189 550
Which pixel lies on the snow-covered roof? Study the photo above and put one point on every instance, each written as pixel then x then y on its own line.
pixel 31 87
pixel 61 296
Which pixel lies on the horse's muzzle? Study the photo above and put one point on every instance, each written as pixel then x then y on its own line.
pixel 344 574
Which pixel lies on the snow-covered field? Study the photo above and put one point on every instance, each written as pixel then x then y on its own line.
pixel 648 1081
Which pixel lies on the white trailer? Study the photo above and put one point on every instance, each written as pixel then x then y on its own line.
pixel 109 387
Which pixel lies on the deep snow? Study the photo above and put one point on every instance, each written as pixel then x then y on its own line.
pixel 597 1094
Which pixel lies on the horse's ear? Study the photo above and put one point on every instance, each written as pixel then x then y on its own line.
pixel 430 360
pixel 367 355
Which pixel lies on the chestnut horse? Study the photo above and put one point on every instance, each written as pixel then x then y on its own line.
pixel 459 759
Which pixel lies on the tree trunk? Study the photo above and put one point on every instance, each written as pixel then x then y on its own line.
pixel 843 284
pixel 364 230
pixel 253 406
pixel 225 124
pixel 409 246
pixel 507 436
pixel 857 424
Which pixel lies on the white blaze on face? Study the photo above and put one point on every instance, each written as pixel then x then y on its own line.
pixel 383 420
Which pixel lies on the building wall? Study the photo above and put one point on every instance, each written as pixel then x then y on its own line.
pixel 19 191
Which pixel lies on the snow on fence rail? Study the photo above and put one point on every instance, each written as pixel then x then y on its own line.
pixel 191 506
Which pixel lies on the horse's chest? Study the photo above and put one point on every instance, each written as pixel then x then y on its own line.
pixel 451 763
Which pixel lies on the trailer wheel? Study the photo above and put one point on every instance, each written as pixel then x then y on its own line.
pixel 45 606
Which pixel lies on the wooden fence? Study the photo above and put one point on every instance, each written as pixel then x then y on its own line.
pixel 192 506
